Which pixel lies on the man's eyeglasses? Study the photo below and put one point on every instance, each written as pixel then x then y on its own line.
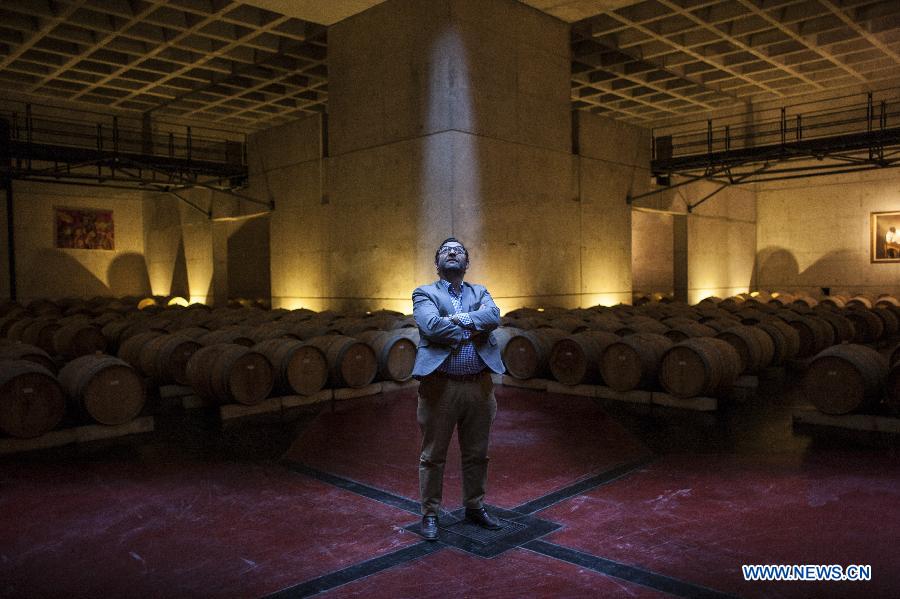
pixel 457 249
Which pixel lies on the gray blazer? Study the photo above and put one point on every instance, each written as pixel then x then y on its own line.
pixel 438 337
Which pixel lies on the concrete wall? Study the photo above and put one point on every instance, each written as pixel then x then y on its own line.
pixel 456 124
pixel 188 253
pixel 652 264
pixel 815 233
pixel 286 166
pixel 458 144
pixel 46 271
pixel 614 160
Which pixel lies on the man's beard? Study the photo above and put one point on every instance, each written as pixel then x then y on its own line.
pixel 455 270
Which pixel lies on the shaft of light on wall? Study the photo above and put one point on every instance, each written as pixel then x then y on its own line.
pixel 198 299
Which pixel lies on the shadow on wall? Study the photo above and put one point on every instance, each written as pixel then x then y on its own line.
pixel 127 275
pixel 179 285
pixel 59 274
pixel 777 268
pixel 249 264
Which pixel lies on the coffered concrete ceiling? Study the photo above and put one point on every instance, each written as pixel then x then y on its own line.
pixel 251 65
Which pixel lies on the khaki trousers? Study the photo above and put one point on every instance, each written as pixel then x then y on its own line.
pixel 469 406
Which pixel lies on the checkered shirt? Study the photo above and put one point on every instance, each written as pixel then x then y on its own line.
pixel 464 359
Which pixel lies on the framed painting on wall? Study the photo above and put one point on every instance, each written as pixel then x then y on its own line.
pixel 85 229
pixel 885 236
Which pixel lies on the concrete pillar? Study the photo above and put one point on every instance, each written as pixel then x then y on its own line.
pixel 680 257
pixel 450 118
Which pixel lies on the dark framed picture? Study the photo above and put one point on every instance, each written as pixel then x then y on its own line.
pixel 885 236
pixel 85 229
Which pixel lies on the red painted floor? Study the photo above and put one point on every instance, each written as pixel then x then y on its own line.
pixel 539 443
pixel 195 511
pixel 700 517
pixel 515 574
pixel 180 529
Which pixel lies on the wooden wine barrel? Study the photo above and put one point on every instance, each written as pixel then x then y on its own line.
pixel 105 388
pixel 395 351
pixel 814 333
pixel 351 363
pixel 27 352
pixel 606 323
pixel 700 366
pixel 754 346
pixel 406 322
pixel 228 372
pixel 718 324
pixel 886 300
pixel 568 324
pixel 674 321
pixel 40 332
pixel 352 327
pixel 686 331
pixel 894 354
pixel 838 301
pixel 299 367
pixel 632 362
pixel 862 300
pixel 782 299
pixel 805 300
pixel 130 350
pixel 642 326
pixel 78 339
pixel 844 331
pixel 17 326
pixel 503 335
pixel 235 336
pixel 43 307
pixel 893 389
pixel 845 378
pixel 119 331
pixel 890 321
pixel 31 400
pixel 309 330
pixel 527 355
pixel 866 324
pixel 194 332
pixel 785 340
pixel 164 358
pixel 575 359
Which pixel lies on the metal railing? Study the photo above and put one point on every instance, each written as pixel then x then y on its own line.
pixel 859 113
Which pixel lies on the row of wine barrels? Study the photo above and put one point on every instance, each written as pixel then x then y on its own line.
pixel 30 353
pixel 527 355
pixel 575 359
pixel 31 400
pixel 845 378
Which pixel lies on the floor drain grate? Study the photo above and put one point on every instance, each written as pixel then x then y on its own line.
pixel 482 535
pixel 456 531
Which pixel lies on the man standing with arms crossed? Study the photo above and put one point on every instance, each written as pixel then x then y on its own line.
pixel 456 354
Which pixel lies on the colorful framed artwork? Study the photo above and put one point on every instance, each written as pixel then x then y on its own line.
pixel 885 236
pixel 85 229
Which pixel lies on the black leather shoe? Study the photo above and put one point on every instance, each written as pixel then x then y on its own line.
pixel 430 527
pixel 483 519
